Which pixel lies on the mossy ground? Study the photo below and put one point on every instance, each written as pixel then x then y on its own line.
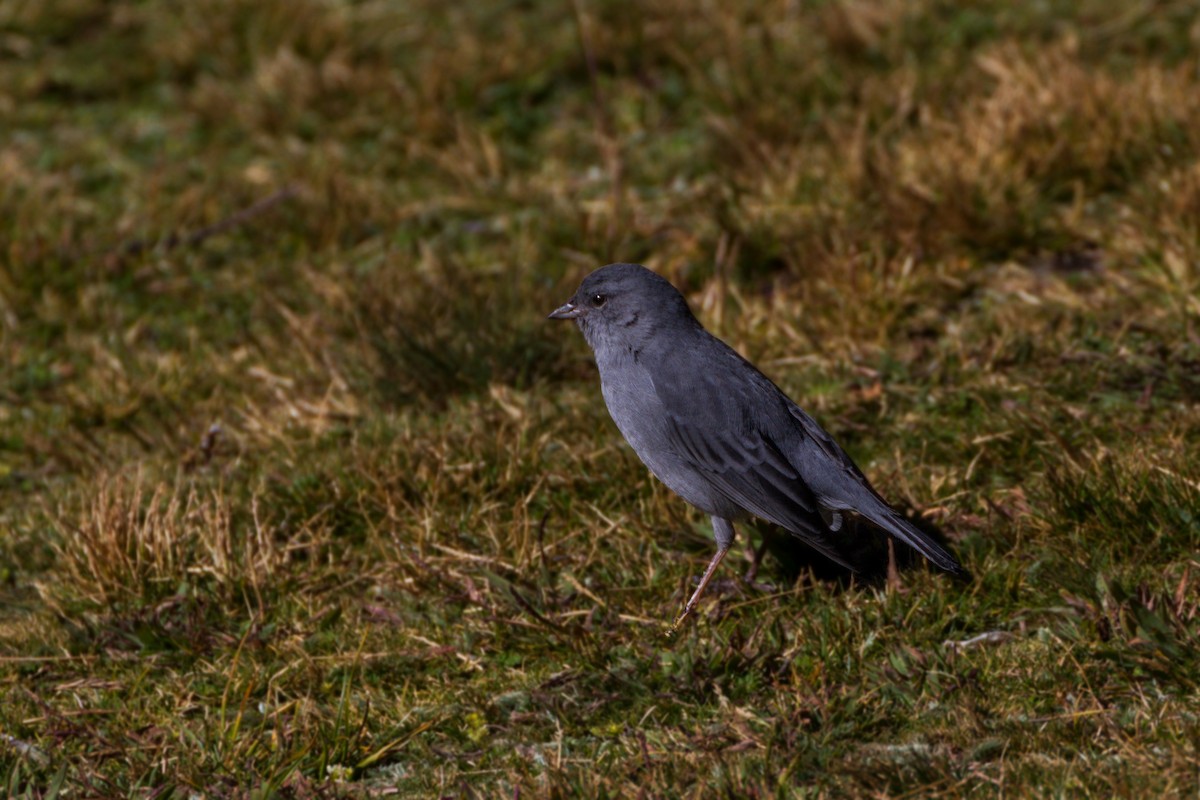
pixel 300 495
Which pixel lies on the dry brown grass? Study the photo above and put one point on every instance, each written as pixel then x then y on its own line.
pixel 134 544
pixel 417 557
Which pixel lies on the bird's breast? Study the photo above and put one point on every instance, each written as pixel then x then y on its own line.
pixel 635 407
pixel 633 404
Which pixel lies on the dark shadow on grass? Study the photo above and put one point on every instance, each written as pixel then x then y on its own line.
pixel 458 331
pixel 184 625
pixel 859 542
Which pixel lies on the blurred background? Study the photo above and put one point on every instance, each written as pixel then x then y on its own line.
pixel 301 496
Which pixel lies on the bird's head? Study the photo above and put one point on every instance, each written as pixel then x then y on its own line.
pixel 623 305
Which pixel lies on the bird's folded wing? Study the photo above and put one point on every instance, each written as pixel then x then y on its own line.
pixel 821 438
pixel 710 430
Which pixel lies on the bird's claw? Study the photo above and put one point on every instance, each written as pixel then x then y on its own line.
pixel 675 626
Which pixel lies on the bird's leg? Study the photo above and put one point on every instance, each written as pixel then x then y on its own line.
pixel 756 556
pixel 708 573
pixel 723 530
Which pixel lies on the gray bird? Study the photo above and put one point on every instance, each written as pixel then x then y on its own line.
pixel 714 429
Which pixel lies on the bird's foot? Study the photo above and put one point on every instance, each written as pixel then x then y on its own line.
pixel 721 587
pixel 674 629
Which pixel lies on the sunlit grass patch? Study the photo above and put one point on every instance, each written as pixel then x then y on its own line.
pixel 133 545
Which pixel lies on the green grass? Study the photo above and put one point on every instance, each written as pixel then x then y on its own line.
pixel 300 496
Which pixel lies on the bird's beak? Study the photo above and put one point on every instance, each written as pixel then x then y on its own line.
pixel 566 311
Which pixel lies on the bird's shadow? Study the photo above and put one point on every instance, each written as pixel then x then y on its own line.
pixel 859 542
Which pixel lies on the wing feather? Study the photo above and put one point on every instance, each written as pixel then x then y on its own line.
pixel 740 460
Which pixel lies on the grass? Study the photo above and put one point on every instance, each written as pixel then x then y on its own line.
pixel 301 497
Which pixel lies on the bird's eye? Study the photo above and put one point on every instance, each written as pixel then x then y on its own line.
pixel 597 300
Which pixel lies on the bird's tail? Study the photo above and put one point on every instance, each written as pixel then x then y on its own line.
pixel 917 539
